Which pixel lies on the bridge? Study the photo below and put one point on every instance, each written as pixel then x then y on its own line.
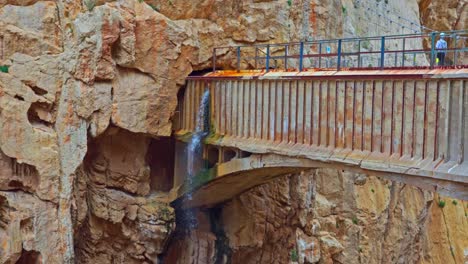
pixel 408 125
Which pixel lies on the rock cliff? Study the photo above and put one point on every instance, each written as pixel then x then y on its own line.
pixel 88 90
pixel 327 216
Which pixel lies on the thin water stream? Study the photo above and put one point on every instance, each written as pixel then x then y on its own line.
pixel 194 153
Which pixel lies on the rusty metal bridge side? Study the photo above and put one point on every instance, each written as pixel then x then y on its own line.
pixel 411 122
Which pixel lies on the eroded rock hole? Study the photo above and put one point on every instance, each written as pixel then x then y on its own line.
pixel 161 159
pixel 39 114
pixel 29 257
pixel 131 162
pixel 19 97
pixel 21 176
pixel 4 215
pixel 212 156
pixel 38 91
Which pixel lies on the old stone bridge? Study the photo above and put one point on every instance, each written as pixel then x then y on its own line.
pixel 406 125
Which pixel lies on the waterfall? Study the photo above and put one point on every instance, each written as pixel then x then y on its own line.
pixel 194 147
pixel 194 156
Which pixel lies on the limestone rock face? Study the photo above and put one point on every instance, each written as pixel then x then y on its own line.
pixel 29 229
pixel 375 221
pixel 114 216
pixel 33 29
pixel 448 15
pixel 89 94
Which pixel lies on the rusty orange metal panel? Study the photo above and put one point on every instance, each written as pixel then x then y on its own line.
pixel 349 114
pixel 340 114
pixel 240 107
pixel 368 114
pixel 300 112
pixel 387 116
pixel 229 106
pixel 316 112
pixel 358 115
pixel 408 118
pixel 285 111
pixel 292 112
pixel 259 110
pixel 444 120
pixel 308 93
pixel 252 109
pixel 331 114
pixel 235 106
pixel 279 111
pixel 265 110
pixel 377 120
pixel 398 118
pixel 430 123
pixel 419 119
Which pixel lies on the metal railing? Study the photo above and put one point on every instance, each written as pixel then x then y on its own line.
pixel 394 51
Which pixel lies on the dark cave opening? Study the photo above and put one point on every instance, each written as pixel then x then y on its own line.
pixel 161 159
pixel 29 257
pixel 212 156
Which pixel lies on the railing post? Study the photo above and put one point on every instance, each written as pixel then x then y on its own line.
pixel 320 54
pixel 455 57
pixel 267 62
pixel 359 54
pixel 432 49
pixel 256 57
pixel 214 60
pixel 338 67
pixel 301 56
pixel 403 55
pixel 286 57
pixel 382 53
pixel 238 58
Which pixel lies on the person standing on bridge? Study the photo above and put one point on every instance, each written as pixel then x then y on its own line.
pixel 441 47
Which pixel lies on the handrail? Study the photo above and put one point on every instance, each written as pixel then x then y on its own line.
pixel 343 52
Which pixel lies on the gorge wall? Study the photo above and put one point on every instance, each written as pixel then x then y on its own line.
pixel 86 104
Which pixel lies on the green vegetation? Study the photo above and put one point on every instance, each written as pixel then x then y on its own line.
pixel 289 3
pixel 90 4
pixel 165 213
pixel 372 190
pixel 154 7
pixel 365 44
pixel 441 203
pixel 454 202
pixel 360 249
pixel 355 220
pixel 4 68
pixel 343 8
pixel 294 255
pixel 199 179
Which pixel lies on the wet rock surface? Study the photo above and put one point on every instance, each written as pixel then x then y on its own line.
pixel 91 85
